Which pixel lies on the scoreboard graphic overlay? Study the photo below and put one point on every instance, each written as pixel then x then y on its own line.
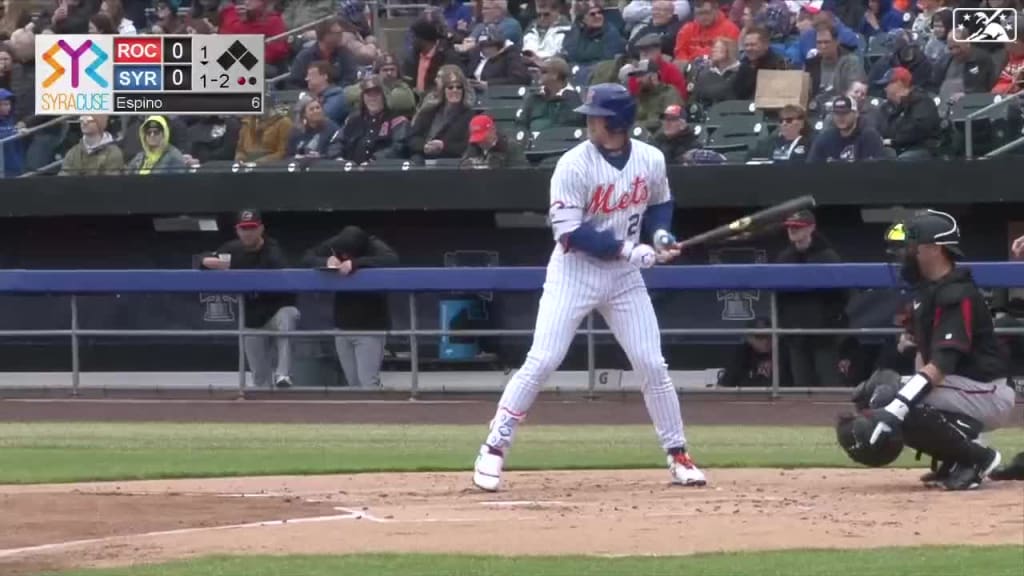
pixel 100 74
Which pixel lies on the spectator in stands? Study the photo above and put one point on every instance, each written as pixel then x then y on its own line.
pixel 96 153
pixel 264 138
pixel 905 54
pixel 653 97
pixel 158 155
pixel 555 103
pixel 545 36
pixel 256 17
pixel 214 138
pixel 649 48
pixel 834 67
pixel 771 15
pixel 114 9
pixel 675 138
pixel 313 134
pixel 923 22
pixel 881 17
pixel 495 13
pixel 357 37
pixel 696 38
pixel 965 69
pixel 758 55
pixel 254 250
pixel 937 46
pixel 101 24
pixel 374 132
pixel 13 157
pixel 327 47
pixel 400 97
pixel 751 361
pixel 349 252
pixel 713 82
pixel 1011 79
pixel 847 140
pixel 441 127
pixel 72 16
pixel 912 127
pixel 869 114
pixel 808 40
pixel 6 66
pixel 791 143
pixel 167 19
pixel 1018 247
pixel 319 78
pixel 593 39
pixel 430 52
pixel 131 126
pixel 638 13
pixel 488 148
pixel 664 25
pixel 457 16
pixel 16 15
pixel 496 60
pixel 813 360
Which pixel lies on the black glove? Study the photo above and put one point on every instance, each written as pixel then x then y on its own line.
pixel 885 426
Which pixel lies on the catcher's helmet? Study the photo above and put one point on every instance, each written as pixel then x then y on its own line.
pixel 612 102
pixel 853 432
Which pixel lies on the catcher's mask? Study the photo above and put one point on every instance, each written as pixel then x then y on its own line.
pixel 853 431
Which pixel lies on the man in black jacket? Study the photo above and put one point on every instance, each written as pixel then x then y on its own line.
pixel 675 137
pixel 375 132
pixel 813 360
pixel 966 69
pixel 347 253
pixel 758 55
pixel 912 124
pixel 270 311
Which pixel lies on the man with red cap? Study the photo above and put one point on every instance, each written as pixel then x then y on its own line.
pixel 911 126
pixel 490 149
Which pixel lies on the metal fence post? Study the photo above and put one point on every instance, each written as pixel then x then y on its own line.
pixel 241 347
pixel 775 344
pixel 591 357
pixel 414 350
pixel 75 361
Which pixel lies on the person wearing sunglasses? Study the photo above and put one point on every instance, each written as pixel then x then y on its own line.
pixel 790 143
pixel 593 39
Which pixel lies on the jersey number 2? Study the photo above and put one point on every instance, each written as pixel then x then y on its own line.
pixel 634 224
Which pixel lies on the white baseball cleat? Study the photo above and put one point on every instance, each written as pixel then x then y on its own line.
pixel 684 472
pixel 487 471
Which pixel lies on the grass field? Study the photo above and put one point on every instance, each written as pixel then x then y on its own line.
pixel 70 452
pixel 990 561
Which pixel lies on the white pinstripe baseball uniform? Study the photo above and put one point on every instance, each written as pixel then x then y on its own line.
pixel 587 189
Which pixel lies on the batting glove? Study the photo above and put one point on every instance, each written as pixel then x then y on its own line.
pixel 639 255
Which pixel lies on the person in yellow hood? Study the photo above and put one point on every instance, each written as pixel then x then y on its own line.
pixel 158 155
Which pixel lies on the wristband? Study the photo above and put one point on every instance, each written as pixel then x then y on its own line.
pixel 900 405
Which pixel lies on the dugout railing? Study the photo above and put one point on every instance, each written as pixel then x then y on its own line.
pixel 412 281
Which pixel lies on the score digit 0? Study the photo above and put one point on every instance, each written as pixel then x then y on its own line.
pixel 178 50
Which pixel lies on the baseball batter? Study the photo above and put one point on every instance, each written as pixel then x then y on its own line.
pixel 608 195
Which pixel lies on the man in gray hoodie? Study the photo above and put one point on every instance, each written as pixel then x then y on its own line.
pixel 96 153
pixel 834 67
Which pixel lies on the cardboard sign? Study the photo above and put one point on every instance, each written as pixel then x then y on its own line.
pixel 778 88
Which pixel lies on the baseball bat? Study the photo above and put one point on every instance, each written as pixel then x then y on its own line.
pixel 747 223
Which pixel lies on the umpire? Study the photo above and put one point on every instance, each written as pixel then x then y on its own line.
pixel 962 387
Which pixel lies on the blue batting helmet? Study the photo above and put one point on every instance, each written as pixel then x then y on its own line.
pixel 612 102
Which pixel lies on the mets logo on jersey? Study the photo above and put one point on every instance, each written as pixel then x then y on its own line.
pixel 604 201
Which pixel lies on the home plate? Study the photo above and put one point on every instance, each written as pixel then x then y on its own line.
pixel 525 504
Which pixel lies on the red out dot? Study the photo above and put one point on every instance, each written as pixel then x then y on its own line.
pixel 241 81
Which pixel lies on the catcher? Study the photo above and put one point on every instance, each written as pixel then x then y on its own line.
pixel 962 386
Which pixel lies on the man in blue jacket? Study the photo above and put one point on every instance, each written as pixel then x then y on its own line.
pixel 847 140
pixel 330 96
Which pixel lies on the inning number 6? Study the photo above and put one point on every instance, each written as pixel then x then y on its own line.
pixel 634 224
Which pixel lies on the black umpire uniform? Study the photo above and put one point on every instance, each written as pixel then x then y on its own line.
pixel 962 387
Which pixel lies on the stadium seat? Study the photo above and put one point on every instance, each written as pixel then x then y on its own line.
pixel 497 93
pixel 554 141
pixel 443 163
pixel 879 46
pixel 728 108
pixel 735 134
pixel 988 130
